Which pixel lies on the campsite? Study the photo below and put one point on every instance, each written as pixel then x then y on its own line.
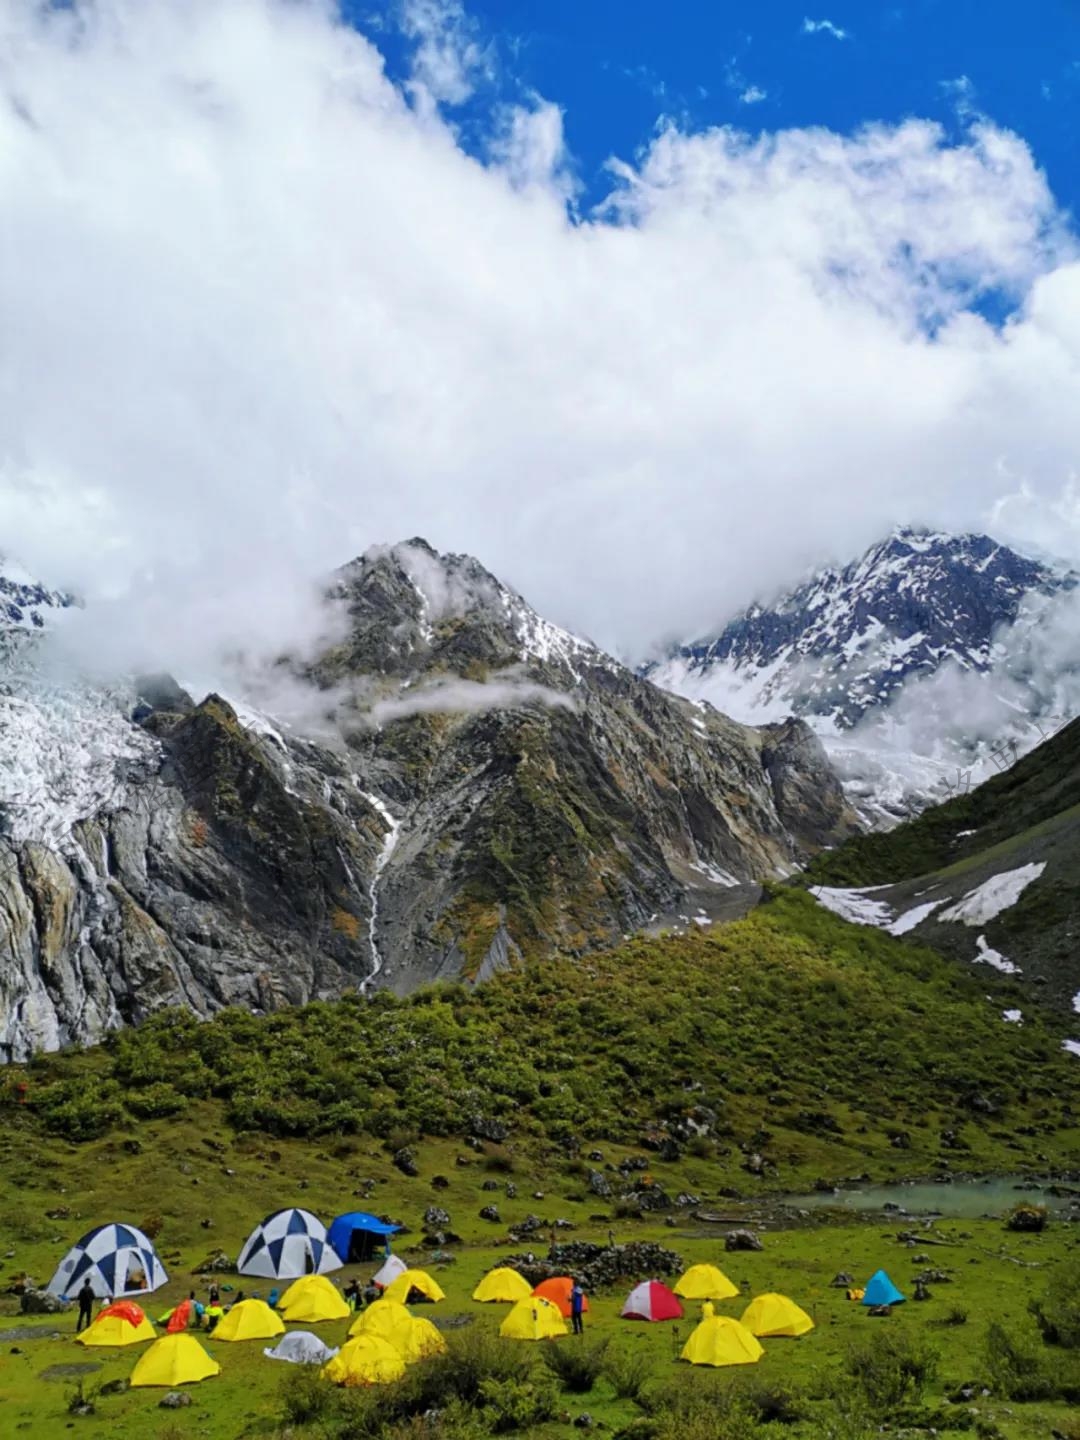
pixel 992 1275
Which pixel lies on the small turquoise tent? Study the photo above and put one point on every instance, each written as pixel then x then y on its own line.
pixel 880 1290
pixel 356 1237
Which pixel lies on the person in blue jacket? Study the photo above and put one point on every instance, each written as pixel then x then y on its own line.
pixel 577 1308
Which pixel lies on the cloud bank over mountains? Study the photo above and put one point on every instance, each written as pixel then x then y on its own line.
pixel 260 308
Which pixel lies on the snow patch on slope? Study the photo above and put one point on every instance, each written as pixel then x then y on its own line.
pixel 993 896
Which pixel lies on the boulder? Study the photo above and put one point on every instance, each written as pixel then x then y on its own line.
pixel 405 1161
pixel 436 1218
pixel 491 1212
pixel 599 1184
pixel 40 1302
pixel 742 1240
pixel 174 1400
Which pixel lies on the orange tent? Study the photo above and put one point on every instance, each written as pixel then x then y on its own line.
pixel 125 1310
pixel 557 1290
pixel 180 1318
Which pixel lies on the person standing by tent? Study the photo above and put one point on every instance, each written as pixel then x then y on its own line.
pixel 577 1307
pixel 352 1294
pixel 85 1298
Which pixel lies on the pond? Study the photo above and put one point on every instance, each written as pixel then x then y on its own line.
pixel 959 1200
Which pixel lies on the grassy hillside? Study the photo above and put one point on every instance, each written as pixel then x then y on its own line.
pixel 1043 785
pixel 823 1048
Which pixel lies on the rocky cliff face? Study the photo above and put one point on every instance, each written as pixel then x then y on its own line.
pixel 498 789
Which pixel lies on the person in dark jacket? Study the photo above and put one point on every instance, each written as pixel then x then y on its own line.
pixel 577 1308
pixel 85 1298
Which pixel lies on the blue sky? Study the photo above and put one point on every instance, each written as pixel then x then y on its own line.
pixel 615 66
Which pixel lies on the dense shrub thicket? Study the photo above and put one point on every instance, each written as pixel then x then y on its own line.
pixel 788 1025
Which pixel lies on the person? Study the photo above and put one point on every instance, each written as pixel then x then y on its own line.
pixel 86 1305
pixel 213 1315
pixel 213 1295
pixel 577 1308
pixel 309 1261
pixel 198 1310
pixel 352 1294
pixel 370 1293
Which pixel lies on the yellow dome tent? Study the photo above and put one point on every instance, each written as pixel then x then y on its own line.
pixel 249 1320
pixel 410 1280
pixel 174 1360
pixel 705 1282
pixel 312 1299
pixel 385 1318
pixel 533 1319
pixel 775 1315
pixel 502 1285
pixel 423 1340
pixel 365 1360
pixel 721 1341
pixel 112 1328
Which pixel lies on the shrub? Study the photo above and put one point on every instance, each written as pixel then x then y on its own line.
pixel 706 1412
pixel 1057 1314
pixel 1027 1218
pixel 1012 1370
pixel 957 1315
pixel 627 1370
pixel 151 1225
pixel 577 1367
pixel 155 1102
pixel 305 1398
pixel 517 1404
pixel 772 1404
pixel 890 1369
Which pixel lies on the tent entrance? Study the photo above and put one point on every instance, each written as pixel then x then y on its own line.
pixel 363 1246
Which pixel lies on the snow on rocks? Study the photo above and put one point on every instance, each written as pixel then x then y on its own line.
pixel 984 955
pixel 1072 1046
pixel 854 906
pixel 989 899
pixel 915 916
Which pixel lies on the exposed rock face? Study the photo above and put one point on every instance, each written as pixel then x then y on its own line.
pixel 504 790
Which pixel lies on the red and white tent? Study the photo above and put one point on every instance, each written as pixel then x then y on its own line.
pixel 652 1301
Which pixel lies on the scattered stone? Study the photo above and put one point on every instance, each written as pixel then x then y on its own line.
pixel 538 1195
pixel 684 1199
pixel 742 1240
pixel 511 1190
pixel 599 1266
pixel 921 1291
pixel 133 1147
pixel 62 1212
pixel 880 1310
pixel 233 1172
pixel 649 1198
pixel 490 1185
pixel 40 1302
pixel 216 1260
pixel 488 1128
pixel 491 1212
pixel 755 1164
pixel 584 1421
pixel 596 1156
pixel 599 1184
pixel 436 1217
pixel 207 1224
pixel 405 1161
pixel 843 1281
pixel 115 1387
pixel 174 1400
pixel 440 1182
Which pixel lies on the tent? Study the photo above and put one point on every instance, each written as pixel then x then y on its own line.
pixel 249 1320
pixel 502 1285
pixel 705 1282
pixel 286 1244
pixel 312 1299
pixel 557 1290
pixel 414 1282
pixel 179 1317
pixel 651 1301
pixel 389 1270
pixel 301 1347
pixel 880 1290
pixel 174 1360
pixel 123 1323
pixel 775 1315
pixel 720 1340
pixel 358 1236
pixel 385 1318
pixel 423 1340
pixel 533 1319
pixel 367 1360
pixel 117 1259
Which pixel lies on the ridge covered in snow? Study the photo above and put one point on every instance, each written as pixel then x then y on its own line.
pixel 914 662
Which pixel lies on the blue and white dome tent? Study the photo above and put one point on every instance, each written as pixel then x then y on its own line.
pixel 117 1259
pixel 286 1245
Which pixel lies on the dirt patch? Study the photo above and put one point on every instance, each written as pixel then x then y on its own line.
pixel 69 1372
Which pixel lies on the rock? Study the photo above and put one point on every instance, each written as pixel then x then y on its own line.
pixel 584 1421
pixel 670 1150
pixel 511 1190
pixel 596 1156
pixel 491 1212
pixel 921 1291
pixel 685 1199
pixel 538 1195
pixel 216 1261
pixel 405 1161
pixel 62 1212
pixel 174 1400
pixel 132 1147
pixel 462 1160
pixel 742 1240
pixel 486 1127
pixel 843 1281
pixel 436 1217
pixel 755 1164
pixel 115 1387
pixel 40 1302
pixel 206 1224
pixel 440 1182
pixel 648 1198
pixel 599 1184
pixel 599 1267
pixel 490 1185
pixel 879 1310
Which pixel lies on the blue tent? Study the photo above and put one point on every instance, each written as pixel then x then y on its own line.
pixel 880 1290
pixel 358 1235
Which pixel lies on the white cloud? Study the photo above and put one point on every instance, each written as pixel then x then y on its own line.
pixel 448 58
pixel 824 27
pixel 259 310
pixel 753 95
